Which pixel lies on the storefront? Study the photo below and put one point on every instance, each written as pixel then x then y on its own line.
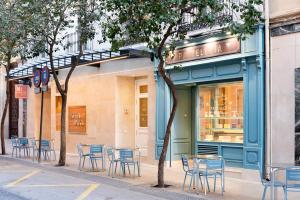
pixel 110 102
pixel 220 89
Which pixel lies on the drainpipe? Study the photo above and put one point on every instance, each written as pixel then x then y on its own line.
pixel 268 136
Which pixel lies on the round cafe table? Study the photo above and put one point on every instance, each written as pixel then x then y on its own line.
pixel 201 159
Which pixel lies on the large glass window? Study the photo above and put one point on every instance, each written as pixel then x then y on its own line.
pixel 221 112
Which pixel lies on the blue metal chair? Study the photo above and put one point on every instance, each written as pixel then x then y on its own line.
pixel 15 146
pixel 292 181
pixel 81 156
pixel 24 145
pixel 268 183
pixel 97 153
pixel 47 147
pixel 193 173
pixel 127 158
pixel 112 161
pixel 214 168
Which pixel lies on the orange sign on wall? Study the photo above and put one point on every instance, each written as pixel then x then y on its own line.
pixel 77 119
pixel 20 91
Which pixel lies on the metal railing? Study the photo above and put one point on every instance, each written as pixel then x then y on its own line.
pixel 227 14
pixel 64 61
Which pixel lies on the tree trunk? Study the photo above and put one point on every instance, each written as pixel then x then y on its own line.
pixel 163 154
pixel 4 116
pixel 62 154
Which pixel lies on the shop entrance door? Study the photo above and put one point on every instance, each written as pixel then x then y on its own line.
pixel 181 137
pixel 141 116
pixel 13 121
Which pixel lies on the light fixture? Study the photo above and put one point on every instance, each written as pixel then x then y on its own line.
pixel 212 39
pixel 228 33
pixel 185 42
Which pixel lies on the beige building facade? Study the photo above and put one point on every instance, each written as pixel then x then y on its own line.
pixel 113 104
pixel 284 51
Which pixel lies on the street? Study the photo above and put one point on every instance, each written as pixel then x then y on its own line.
pixel 19 181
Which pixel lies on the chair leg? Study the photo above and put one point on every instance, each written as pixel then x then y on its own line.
pixel 116 167
pixel 285 193
pixel 79 164
pixel 207 184
pixel 184 182
pixel 108 171
pixel 192 179
pixel 264 194
pixel 83 162
pixel 201 182
pixel 215 180
pixel 139 169
pixel 128 169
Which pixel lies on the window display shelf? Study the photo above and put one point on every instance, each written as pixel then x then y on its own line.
pixel 228 130
pixel 209 118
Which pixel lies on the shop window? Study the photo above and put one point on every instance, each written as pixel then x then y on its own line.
pixel 221 112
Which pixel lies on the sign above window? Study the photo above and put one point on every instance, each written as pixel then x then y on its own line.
pixel 207 50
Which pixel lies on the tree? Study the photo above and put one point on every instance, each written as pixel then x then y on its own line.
pixel 13 40
pixel 159 23
pixel 50 25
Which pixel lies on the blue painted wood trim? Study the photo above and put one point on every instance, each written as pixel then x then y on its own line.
pixel 251 63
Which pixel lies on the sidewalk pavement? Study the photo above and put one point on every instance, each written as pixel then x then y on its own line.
pixel 240 184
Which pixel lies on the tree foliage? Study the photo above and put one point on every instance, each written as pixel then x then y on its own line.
pixel 51 22
pixel 13 44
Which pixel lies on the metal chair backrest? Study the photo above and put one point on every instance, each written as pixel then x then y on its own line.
pixel 45 143
pixel 79 150
pixel 14 141
pixel 96 148
pixel 215 164
pixel 110 153
pixel 126 154
pixel 185 163
pixel 23 141
pixel 292 176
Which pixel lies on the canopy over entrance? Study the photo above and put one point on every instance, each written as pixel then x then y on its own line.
pixel 90 58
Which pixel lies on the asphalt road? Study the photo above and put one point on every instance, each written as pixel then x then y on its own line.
pixel 25 181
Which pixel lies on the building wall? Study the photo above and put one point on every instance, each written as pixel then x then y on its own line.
pixel 285 52
pixel 106 92
pixel 280 8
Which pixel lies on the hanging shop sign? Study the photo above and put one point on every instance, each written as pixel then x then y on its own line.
pixel 45 76
pixel 37 81
pixel 207 50
pixel 20 91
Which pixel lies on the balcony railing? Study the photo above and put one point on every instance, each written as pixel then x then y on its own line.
pixel 227 14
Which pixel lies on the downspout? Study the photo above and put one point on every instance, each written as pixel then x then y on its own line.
pixel 268 135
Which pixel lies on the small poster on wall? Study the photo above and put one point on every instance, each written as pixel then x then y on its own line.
pixel 297 115
pixel 77 119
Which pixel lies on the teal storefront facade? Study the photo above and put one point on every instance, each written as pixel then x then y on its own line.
pixel 221 102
